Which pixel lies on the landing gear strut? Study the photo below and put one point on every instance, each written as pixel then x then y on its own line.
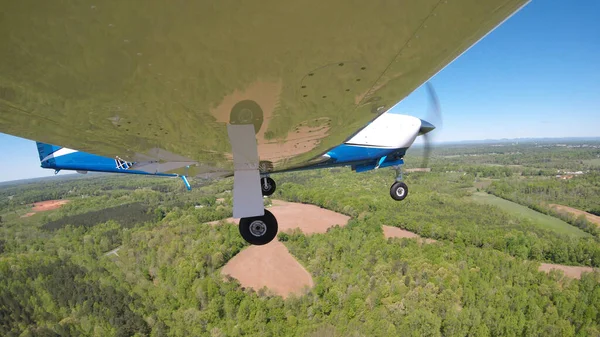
pixel 399 190
pixel 267 186
pixel 259 230
pixel 257 225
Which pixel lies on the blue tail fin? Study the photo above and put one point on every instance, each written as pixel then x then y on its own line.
pixel 44 150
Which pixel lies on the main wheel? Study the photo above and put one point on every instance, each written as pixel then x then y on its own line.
pixel 399 191
pixel 259 230
pixel 267 186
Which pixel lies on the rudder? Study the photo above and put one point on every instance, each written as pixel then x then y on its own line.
pixel 44 150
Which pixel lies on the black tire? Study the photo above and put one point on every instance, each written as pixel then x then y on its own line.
pixel 268 186
pixel 399 191
pixel 254 233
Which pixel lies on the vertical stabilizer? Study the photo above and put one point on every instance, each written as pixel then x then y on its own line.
pixel 45 151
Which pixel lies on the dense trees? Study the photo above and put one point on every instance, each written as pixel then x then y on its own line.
pixel 41 290
pixel 127 215
pixel 437 208
pixel 159 274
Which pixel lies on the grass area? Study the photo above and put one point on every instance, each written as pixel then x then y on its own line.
pixel 538 218
pixel 594 162
pixel 482 183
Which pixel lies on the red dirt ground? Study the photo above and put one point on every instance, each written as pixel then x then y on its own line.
pixel 309 219
pixel 570 271
pixel 590 217
pixel 272 265
pixel 395 232
pixel 48 205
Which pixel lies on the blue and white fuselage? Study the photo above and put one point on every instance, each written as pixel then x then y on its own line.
pixel 382 143
pixel 61 158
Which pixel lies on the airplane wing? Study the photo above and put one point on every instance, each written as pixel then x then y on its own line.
pixel 155 80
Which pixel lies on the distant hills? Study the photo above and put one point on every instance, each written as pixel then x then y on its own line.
pixel 64 176
pixel 417 145
pixel 527 140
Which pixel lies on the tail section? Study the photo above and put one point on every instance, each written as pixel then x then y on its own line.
pixel 45 150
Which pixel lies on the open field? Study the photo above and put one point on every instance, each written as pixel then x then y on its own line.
pixel 395 232
pixel 272 266
pixel 48 205
pixel 590 217
pixel 570 271
pixel 42 206
pixel 527 213
pixel 593 162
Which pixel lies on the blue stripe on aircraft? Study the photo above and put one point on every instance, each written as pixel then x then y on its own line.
pixel 82 161
pixel 356 153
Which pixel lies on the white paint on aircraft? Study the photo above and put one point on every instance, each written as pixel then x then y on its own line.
pixel 388 131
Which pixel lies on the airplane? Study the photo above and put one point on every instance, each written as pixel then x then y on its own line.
pixel 61 158
pixel 211 90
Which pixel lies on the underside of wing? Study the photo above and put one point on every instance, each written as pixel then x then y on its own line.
pixel 153 80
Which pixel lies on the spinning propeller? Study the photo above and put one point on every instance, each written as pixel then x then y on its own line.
pixel 434 114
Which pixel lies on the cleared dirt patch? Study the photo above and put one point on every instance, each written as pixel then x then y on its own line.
pixel 570 271
pixel 48 205
pixel 272 265
pixel 395 232
pixel 42 206
pixel 309 219
pixel 590 217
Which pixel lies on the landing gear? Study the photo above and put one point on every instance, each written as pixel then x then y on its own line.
pixel 257 225
pixel 267 186
pixel 259 230
pixel 399 191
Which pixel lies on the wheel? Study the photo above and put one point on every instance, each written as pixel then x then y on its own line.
pixel 267 186
pixel 399 191
pixel 259 230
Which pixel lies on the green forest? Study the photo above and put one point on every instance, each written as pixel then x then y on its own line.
pixel 134 256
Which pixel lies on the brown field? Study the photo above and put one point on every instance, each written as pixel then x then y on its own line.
pixel 42 206
pixel 590 217
pixel 272 265
pixel 570 271
pixel 395 232
pixel 48 205
pixel 309 219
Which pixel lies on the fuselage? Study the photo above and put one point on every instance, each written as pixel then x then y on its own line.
pixel 381 143
pixel 61 158
pixel 68 159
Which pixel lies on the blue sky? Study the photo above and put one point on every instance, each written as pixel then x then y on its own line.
pixel 537 75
